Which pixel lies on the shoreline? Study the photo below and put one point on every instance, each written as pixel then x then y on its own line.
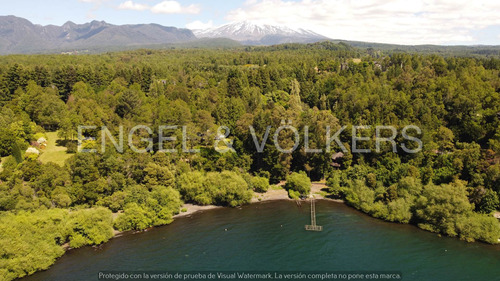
pixel 272 194
pixel 192 209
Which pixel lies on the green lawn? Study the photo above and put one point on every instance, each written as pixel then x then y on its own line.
pixel 53 152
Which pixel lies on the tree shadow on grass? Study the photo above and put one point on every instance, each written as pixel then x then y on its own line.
pixel 71 145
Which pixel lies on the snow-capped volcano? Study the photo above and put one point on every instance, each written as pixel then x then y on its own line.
pixel 260 34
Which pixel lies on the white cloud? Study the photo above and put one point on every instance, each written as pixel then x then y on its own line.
pixel 397 21
pixel 199 25
pixel 129 5
pixel 93 1
pixel 164 7
pixel 96 6
pixel 173 7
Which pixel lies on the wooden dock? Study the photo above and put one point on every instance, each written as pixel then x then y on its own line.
pixel 313 226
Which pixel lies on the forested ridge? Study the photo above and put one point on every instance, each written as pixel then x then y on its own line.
pixel 451 186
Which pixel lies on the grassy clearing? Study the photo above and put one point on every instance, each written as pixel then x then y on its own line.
pixel 54 152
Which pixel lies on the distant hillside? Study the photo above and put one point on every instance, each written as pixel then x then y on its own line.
pixel 454 50
pixel 379 49
pixel 204 43
pixel 18 35
pixel 209 43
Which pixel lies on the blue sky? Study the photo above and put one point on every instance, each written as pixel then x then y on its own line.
pixel 79 11
pixel 388 21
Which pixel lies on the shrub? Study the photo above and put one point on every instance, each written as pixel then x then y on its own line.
pixel 90 227
pixel 299 182
pixel 293 194
pixel 145 208
pixel 134 217
pixel 478 227
pixel 226 188
pixel 259 184
pixel 32 241
pixel 231 189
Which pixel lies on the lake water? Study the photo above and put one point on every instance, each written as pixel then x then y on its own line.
pixel 270 236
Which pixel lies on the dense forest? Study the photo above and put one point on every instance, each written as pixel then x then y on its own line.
pixel 451 186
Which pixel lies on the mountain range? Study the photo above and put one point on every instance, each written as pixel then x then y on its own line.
pixel 249 33
pixel 19 35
